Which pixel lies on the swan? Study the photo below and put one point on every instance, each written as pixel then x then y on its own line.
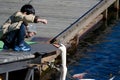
pixel 63 70
pixel 64 67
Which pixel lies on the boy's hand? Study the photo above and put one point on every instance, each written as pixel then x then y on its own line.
pixel 44 21
pixel 30 34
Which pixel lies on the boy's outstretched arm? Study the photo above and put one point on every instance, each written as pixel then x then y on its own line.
pixel 44 21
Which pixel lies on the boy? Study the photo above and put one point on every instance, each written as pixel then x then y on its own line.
pixel 16 28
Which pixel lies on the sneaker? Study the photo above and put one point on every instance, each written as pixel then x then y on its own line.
pixel 16 48
pixel 22 47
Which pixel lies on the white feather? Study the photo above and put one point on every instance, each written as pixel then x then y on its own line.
pixel 64 68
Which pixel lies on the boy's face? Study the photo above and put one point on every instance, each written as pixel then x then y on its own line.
pixel 25 13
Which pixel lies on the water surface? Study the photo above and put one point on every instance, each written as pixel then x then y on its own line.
pixel 101 58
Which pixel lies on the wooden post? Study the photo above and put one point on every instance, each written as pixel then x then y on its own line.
pixel 105 14
pixel 116 6
pixel 105 17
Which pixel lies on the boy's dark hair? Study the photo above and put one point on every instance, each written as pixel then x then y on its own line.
pixel 28 9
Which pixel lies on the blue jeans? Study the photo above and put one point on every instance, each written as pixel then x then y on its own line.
pixel 16 37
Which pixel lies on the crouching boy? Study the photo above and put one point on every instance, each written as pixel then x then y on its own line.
pixel 15 29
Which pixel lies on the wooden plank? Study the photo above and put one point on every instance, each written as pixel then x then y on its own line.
pixel 59 13
pixel 42 48
pixel 11 56
pixel 81 23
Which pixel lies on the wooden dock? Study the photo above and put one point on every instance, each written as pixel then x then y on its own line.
pixel 60 14
pixel 66 19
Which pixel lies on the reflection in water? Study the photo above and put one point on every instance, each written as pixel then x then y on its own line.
pixel 101 59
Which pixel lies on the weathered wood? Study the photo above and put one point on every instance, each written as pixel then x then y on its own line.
pixel 59 13
pixel 83 21
pixel 11 56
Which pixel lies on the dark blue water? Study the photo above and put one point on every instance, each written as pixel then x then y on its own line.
pixel 101 59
